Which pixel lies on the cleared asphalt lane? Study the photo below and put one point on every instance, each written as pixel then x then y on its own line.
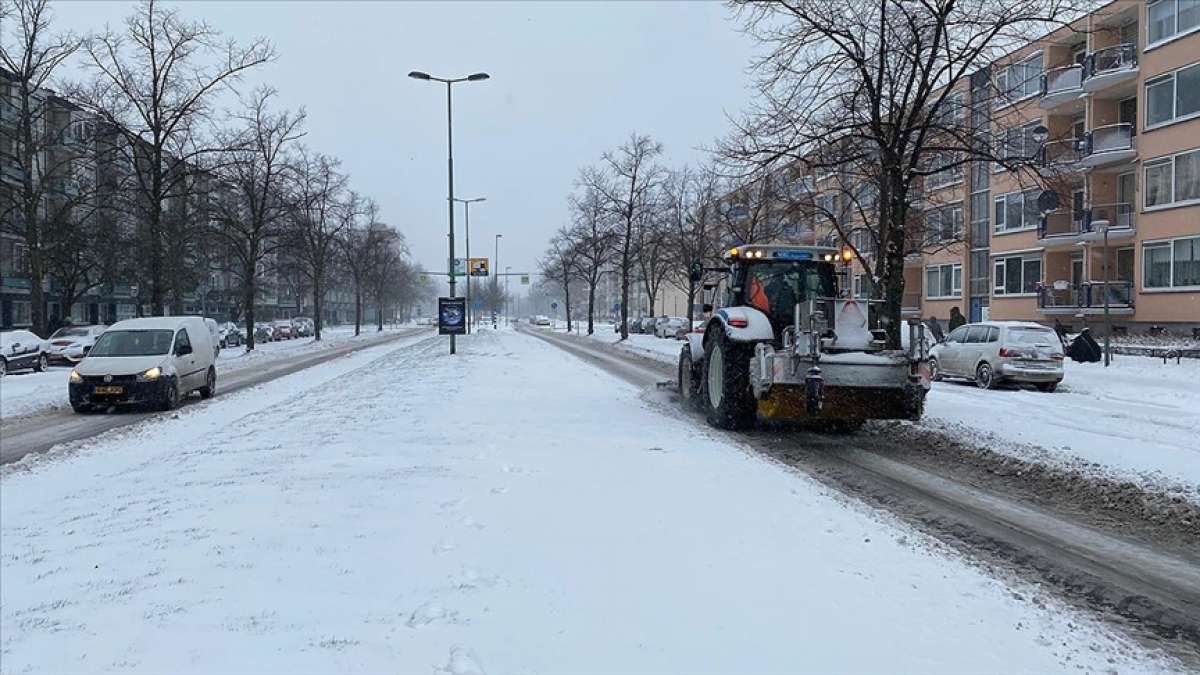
pixel 38 433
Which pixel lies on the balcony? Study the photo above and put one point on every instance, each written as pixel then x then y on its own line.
pixel 1062 228
pixel 1108 146
pixel 1061 155
pixel 1086 298
pixel 1119 219
pixel 1112 65
pixel 1061 85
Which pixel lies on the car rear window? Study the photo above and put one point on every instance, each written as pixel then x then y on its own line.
pixel 1032 336
pixel 70 332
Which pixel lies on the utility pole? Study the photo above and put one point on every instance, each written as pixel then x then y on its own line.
pixel 1107 318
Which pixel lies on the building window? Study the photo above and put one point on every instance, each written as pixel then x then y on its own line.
pixel 22 312
pixel 947 169
pixel 1016 144
pixel 950 113
pixel 1171 264
pixel 1016 275
pixel 943 281
pixel 1173 180
pixel 944 224
pixel 1167 18
pixel 1017 211
pixel 1019 80
pixel 1173 96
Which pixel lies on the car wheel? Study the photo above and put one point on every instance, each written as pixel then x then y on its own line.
pixel 725 386
pixel 170 396
pixel 42 363
pixel 935 371
pixel 985 377
pixel 210 384
pixel 1047 387
pixel 3 367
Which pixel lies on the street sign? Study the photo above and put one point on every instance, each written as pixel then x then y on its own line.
pixel 478 304
pixel 459 265
pixel 524 279
pixel 452 316
pixel 616 308
pixel 554 306
pixel 479 267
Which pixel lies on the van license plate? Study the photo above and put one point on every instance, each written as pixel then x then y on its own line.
pixel 109 390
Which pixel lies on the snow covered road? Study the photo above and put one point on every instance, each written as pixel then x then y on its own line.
pixel 341 520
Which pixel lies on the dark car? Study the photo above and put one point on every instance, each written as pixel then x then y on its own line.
pixel 20 350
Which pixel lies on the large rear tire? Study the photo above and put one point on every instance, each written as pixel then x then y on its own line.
pixel 725 387
pixel 689 377
pixel 170 395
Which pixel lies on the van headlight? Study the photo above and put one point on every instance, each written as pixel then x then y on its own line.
pixel 75 376
pixel 150 375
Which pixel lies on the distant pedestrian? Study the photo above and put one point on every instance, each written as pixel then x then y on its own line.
pixel 956 318
pixel 1061 330
pixel 935 328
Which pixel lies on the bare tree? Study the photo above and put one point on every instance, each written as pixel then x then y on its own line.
pixel 251 208
pixel 561 265
pixel 317 219
pixel 692 224
pixel 595 239
pixel 390 277
pixel 156 83
pixel 653 247
pixel 32 141
pixel 866 86
pixel 360 238
pixel 625 179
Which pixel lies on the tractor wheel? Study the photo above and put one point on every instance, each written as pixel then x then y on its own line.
pixel 689 379
pixel 725 387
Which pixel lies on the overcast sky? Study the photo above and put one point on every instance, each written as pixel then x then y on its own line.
pixel 569 81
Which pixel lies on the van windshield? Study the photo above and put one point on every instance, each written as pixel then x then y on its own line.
pixel 133 343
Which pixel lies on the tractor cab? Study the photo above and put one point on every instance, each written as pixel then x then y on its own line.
pixel 776 280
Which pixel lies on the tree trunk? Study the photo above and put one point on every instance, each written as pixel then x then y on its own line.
pixel 567 302
pixel 591 307
pixel 625 285
pixel 317 307
pixel 691 308
pixel 358 307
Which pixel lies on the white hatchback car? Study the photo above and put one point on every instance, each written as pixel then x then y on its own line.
pixel 993 352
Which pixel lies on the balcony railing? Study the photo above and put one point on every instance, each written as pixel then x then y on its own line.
pixel 1120 216
pixel 1062 153
pixel 1110 61
pixel 1108 144
pixel 1062 223
pixel 1087 295
pixel 1061 84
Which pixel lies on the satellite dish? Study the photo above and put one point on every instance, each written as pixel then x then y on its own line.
pixel 1047 201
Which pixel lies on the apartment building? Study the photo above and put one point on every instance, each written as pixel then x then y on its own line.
pixel 1108 110
pixel 84 153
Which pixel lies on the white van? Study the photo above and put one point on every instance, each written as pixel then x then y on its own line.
pixel 156 361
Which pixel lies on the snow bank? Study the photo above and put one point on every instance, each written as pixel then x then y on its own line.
pixel 33 393
pixel 508 509
pixel 1137 420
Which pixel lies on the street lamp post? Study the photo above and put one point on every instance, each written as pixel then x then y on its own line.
pixel 506 269
pixel 467 207
pixel 475 77
pixel 496 262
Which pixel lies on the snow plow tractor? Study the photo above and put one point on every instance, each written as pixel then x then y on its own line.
pixel 786 346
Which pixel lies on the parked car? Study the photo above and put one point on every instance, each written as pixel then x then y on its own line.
pixel 21 350
pixel 666 328
pixel 70 344
pixel 263 332
pixel 231 335
pixel 682 331
pixel 647 326
pixel 283 329
pixel 542 321
pixel 156 361
pixel 993 352
pixel 302 327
